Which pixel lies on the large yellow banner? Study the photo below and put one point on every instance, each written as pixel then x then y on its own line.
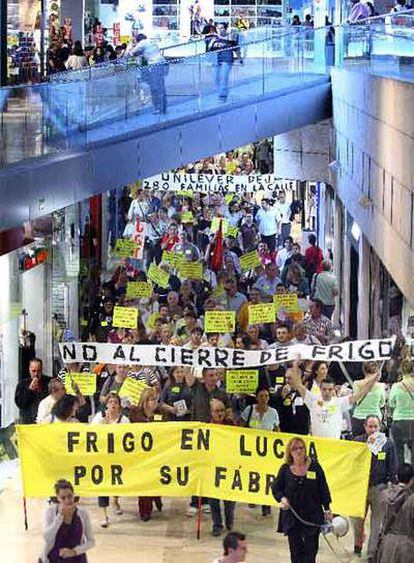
pixel 176 459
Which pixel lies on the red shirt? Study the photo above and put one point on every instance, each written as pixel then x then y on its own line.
pixel 314 257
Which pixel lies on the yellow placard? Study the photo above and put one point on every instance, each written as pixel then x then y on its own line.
pixel 125 317
pixel 286 301
pixel 249 261
pixel 215 224
pixel 132 388
pixel 232 231
pixel 242 381
pixel 229 198
pixel 186 193
pixel 187 217
pixel 86 383
pixel 174 259
pixel 218 292
pixel 191 270
pixel 138 289
pixel 125 248
pixel 180 459
pixel 262 313
pixel 220 321
pixel 152 319
pixel 158 276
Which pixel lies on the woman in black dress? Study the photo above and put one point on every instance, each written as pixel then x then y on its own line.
pixel 301 485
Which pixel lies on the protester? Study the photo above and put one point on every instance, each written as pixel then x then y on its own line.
pixel 383 471
pixel 234 548
pixel 224 45
pixel 56 391
pixel 31 391
pixel 401 403
pixel 111 415
pixel 372 403
pixel 324 289
pixel 303 493
pixel 396 542
pixel 67 529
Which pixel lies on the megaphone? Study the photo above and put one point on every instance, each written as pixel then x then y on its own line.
pixel 339 527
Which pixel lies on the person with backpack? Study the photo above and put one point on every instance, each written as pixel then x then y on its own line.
pixel 225 47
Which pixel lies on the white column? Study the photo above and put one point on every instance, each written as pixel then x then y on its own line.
pixel 363 288
pixel 337 254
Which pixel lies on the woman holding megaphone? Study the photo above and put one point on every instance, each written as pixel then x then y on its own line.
pixel 303 493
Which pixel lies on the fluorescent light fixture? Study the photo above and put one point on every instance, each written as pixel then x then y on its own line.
pixel 356 231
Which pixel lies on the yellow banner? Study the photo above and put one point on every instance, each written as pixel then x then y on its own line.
pixel 232 231
pixel 286 301
pixel 125 248
pixel 125 317
pixel 220 321
pixel 249 261
pixel 158 276
pixel 177 459
pixel 191 270
pixel 139 289
pixel 86 383
pixel 242 380
pixel 132 389
pixel 262 313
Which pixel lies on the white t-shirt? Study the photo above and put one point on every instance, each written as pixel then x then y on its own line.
pixel 268 421
pixel 326 416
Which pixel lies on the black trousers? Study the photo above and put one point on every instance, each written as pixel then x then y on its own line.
pixel 303 544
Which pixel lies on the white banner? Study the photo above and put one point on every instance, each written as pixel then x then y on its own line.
pixel 215 183
pixel 154 355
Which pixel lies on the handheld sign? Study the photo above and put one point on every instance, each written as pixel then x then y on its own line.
pixel 242 381
pixel 86 382
pixel 132 388
pixel 262 313
pixel 125 248
pixel 158 276
pixel 220 321
pixel 125 317
pixel 191 270
pixel 138 289
pixel 286 301
pixel 249 261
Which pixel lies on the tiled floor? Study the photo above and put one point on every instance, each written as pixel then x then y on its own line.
pixel 169 537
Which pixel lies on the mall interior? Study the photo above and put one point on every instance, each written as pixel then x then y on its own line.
pixel 152 154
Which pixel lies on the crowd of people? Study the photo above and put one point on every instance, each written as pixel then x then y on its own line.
pixel 365 401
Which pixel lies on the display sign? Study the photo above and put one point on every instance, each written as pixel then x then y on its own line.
pixel 191 270
pixel 249 261
pixel 262 313
pixel 286 301
pixel 242 381
pixel 220 321
pixel 85 382
pixel 138 289
pixel 132 389
pixel 158 276
pixel 125 248
pixel 125 317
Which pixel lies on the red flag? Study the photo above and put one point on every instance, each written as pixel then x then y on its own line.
pixel 217 256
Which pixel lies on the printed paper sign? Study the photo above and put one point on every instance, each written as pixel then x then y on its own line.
pixel 174 259
pixel 181 407
pixel 85 381
pixel 220 321
pixel 125 317
pixel 242 381
pixel 286 301
pixel 158 276
pixel 138 289
pixel 191 270
pixel 132 388
pixel 232 231
pixel 262 313
pixel 249 261
pixel 187 217
pixel 125 248
pixel 215 225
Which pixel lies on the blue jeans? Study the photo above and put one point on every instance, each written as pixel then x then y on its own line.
pixel 155 75
pixel 222 78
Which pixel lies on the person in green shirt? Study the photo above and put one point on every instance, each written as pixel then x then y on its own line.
pixel 372 402
pixel 402 411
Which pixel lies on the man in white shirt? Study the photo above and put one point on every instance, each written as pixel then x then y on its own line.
pixel 285 253
pixel 326 411
pixel 283 211
pixel 57 391
pixel 268 224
